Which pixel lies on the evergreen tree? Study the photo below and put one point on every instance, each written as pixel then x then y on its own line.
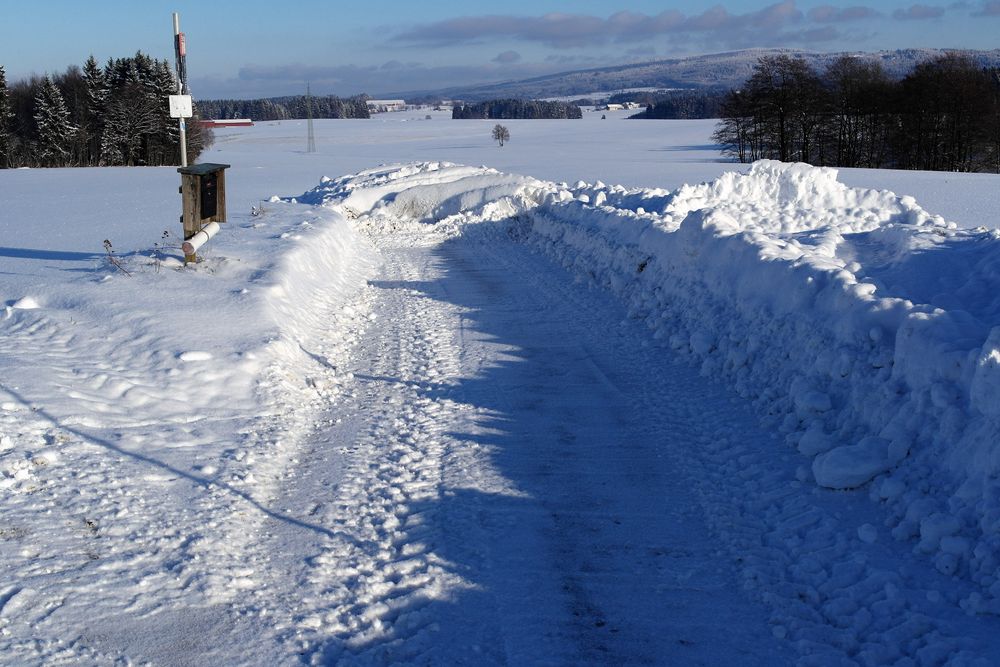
pixel 6 116
pixel 115 115
pixel 132 116
pixel 73 86
pixel 512 108
pixel 55 131
pixel 131 119
pixel 97 96
pixel 168 137
pixel 678 103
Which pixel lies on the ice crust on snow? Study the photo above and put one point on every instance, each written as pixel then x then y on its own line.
pixel 860 325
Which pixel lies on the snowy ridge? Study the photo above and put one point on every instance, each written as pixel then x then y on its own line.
pixel 310 287
pixel 317 276
pixel 431 190
pixel 811 298
pixel 140 429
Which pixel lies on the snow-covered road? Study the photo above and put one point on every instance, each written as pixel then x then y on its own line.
pixel 494 490
pixel 514 472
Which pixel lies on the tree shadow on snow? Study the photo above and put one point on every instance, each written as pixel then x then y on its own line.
pixel 197 480
pixel 49 255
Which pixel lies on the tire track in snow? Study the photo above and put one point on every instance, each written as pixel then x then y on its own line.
pixel 640 577
pixel 489 492
pixel 392 574
pixel 841 591
pixel 491 520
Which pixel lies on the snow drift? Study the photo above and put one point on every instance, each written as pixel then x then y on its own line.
pixel 862 326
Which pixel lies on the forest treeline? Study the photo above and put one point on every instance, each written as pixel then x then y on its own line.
pixel 943 116
pixel 284 108
pixel 680 104
pixel 516 109
pixel 113 115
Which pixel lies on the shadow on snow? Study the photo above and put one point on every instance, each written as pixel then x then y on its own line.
pixel 585 546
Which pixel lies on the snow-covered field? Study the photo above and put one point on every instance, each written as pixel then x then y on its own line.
pixel 605 400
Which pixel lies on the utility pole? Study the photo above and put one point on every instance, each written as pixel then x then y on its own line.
pixel 180 55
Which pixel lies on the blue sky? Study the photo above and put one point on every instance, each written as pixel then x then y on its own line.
pixel 256 48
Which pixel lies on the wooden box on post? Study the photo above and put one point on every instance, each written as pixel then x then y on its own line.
pixel 203 198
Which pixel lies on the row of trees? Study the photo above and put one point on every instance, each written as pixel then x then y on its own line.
pixel 284 108
pixel 514 109
pixel 700 103
pixel 115 115
pixel 943 116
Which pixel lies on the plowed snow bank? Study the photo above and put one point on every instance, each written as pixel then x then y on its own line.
pixel 862 326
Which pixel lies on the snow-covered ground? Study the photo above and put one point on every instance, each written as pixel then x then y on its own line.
pixel 560 409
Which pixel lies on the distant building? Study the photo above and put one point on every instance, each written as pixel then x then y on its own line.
pixel 381 106
pixel 620 107
pixel 227 122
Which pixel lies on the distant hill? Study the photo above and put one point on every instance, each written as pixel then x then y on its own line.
pixel 723 70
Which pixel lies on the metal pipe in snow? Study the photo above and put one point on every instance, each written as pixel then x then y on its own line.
pixel 191 246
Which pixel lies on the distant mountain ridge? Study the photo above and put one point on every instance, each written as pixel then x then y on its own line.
pixel 722 70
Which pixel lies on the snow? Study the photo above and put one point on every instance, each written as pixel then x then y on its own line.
pixel 850 466
pixel 430 412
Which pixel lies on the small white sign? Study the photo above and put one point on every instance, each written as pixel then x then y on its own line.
pixel 180 106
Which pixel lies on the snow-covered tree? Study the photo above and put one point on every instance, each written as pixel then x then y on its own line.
pixel 168 137
pixel 6 116
pixel 55 131
pixel 131 114
pixel 138 129
pixel 129 121
pixel 97 95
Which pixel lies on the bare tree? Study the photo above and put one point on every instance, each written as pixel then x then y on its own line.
pixel 739 132
pixel 947 105
pixel 500 134
pixel 861 95
pixel 777 114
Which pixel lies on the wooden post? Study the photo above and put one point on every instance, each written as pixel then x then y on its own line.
pixel 220 186
pixel 203 198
